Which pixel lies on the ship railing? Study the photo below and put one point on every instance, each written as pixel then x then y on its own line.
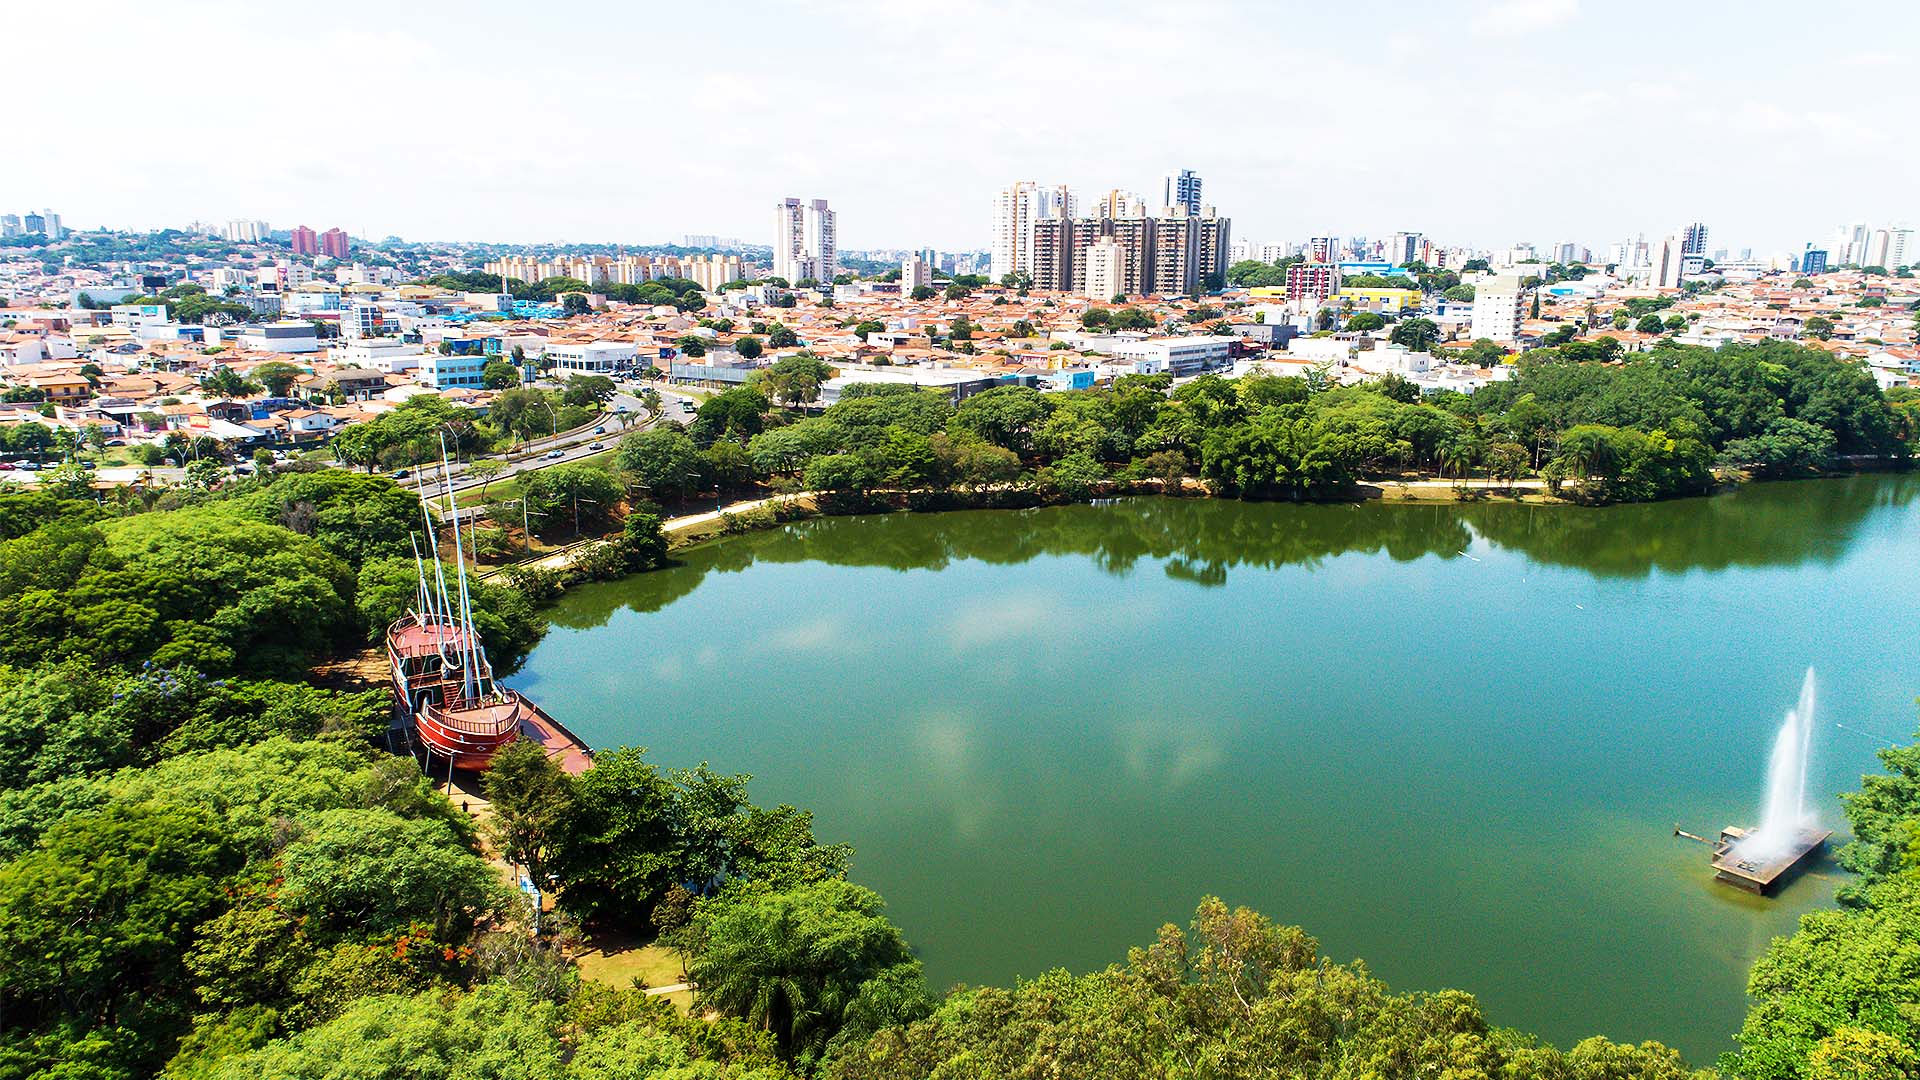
pixel 510 721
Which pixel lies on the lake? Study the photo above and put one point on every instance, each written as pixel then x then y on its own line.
pixel 1451 740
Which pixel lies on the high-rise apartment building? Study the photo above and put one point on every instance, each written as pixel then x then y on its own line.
pixel 1670 262
pixel 805 245
pixel 915 272
pixel 35 224
pixel 1877 242
pixel 1017 209
pixel 305 241
pixel 1497 305
pixel 10 225
pixel 1900 249
pixel 1813 260
pixel 241 231
pixel 1312 282
pixel 1693 239
pixel 334 244
pixel 1167 255
pixel 711 271
pixel 1119 204
pixel 1180 193
pixel 1321 249
pixel 1106 269
pixel 1403 248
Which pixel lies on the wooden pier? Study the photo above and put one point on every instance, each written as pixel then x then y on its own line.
pixel 1761 875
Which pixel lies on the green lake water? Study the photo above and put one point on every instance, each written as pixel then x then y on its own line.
pixel 1451 740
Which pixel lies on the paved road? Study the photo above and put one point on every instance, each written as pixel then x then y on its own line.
pixel 572 446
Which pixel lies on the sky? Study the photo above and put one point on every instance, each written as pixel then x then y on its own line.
pixel 1478 122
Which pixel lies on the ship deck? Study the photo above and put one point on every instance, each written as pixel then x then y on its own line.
pixel 566 749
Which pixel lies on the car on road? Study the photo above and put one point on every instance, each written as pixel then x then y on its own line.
pixel 601 430
pixel 596 446
pixel 556 454
pixel 401 474
pixel 6 465
pixel 619 408
pixel 89 464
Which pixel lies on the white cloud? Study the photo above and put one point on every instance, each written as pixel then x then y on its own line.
pixel 1513 18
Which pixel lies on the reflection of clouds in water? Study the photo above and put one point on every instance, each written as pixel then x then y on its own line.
pixel 944 743
pixel 1041 617
pixel 1165 755
pixel 825 634
pixel 997 619
pixel 676 667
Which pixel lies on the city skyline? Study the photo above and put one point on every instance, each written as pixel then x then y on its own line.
pixel 1486 125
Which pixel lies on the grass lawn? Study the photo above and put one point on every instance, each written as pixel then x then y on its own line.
pixel 617 964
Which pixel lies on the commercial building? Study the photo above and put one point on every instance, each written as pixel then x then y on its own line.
pixel 1498 302
pixel 293 336
pixel 1380 301
pixel 804 241
pixel 443 372
pixel 1178 355
pixel 591 358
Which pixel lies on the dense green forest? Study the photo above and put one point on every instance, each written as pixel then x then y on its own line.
pixel 210 867
pixel 1652 426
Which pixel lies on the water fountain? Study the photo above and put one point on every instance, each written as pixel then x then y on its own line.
pixel 1756 859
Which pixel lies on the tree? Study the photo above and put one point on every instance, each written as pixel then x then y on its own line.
pixel 93 925
pixel 499 375
pixel 957 291
pixel 530 799
pixel 370 870
pixel 663 462
pixel 222 381
pixel 796 379
pixel 485 470
pixel 1650 324
pixel 277 376
pixel 748 347
pixel 1460 293
pixel 921 292
pixel 691 346
pixel 794 963
pixel 1418 335
pixel 781 336
pixel 1365 322
pixel 1818 326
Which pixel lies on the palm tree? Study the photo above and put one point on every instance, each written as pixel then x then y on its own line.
pixel 764 976
pixel 650 401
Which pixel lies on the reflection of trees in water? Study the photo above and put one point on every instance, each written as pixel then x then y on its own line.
pixel 1759 525
pixel 1200 540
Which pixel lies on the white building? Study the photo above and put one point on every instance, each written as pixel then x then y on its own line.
pixel 591 358
pixel 389 356
pixel 914 273
pixel 1670 263
pixel 284 337
pixel 1106 270
pixel 1498 301
pixel 1015 210
pixel 1181 355
pixel 804 242
pixel 247 232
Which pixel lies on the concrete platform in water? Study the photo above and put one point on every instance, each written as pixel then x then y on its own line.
pixel 1761 875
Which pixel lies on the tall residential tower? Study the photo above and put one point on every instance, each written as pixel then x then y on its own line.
pixel 804 244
